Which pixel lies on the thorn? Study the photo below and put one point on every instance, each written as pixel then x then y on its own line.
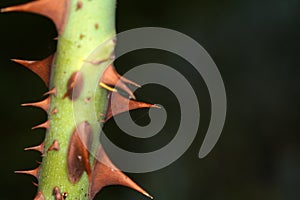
pixel 54 111
pixel 35 184
pixel 39 148
pixel 105 173
pixel 56 10
pixel 56 193
pixel 44 104
pixel 111 77
pixel 33 172
pixel 45 125
pixel 118 104
pixel 74 86
pixel 54 146
pixel 39 196
pixel 41 68
pixel 78 152
pixel 53 92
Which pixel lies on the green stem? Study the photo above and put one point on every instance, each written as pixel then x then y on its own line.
pixel 88 26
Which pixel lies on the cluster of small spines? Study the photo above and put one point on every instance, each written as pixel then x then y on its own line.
pixel 103 172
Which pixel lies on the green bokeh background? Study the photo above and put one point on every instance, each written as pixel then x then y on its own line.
pixel 255 46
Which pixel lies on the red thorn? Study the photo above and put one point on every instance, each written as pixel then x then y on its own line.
pixel 111 77
pixel 33 172
pixel 35 184
pixel 39 148
pixel 54 111
pixel 42 68
pixel 51 92
pixel 39 196
pixel 44 104
pixel 56 10
pixel 105 173
pixel 54 146
pixel 45 125
pixel 78 152
pixel 74 86
pixel 56 193
pixel 119 104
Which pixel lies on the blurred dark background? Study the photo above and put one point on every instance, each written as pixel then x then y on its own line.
pixel 255 46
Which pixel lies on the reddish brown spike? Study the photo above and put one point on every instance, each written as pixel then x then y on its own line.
pixel 111 77
pixel 44 104
pixel 56 10
pixel 74 86
pixel 51 92
pixel 39 196
pixel 56 193
pixel 120 104
pixel 41 68
pixel 35 184
pixel 78 152
pixel 45 125
pixel 105 173
pixel 54 111
pixel 33 172
pixel 54 146
pixel 39 148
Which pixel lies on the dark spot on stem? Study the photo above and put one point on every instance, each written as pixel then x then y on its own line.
pixel 96 26
pixel 79 5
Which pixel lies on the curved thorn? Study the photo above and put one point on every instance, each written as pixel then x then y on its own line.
pixel 44 104
pixel 39 148
pixel 45 125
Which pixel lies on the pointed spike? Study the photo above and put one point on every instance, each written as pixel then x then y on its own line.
pixel 33 172
pixel 56 193
pixel 54 111
pixel 51 92
pixel 35 184
pixel 78 152
pixel 105 173
pixel 54 146
pixel 41 68
pixel 39 196
pixel 74 86
pixel 119 104
pixel 45 125
pixel 56 10
pixel 44 104
pixel 111 77
pixel 39 148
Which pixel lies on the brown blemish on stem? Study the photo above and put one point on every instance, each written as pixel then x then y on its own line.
pixel 54 146
pixel 96 26
pixel 79 5
pixel 81 36
pixel 78 152
pixel 74 86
